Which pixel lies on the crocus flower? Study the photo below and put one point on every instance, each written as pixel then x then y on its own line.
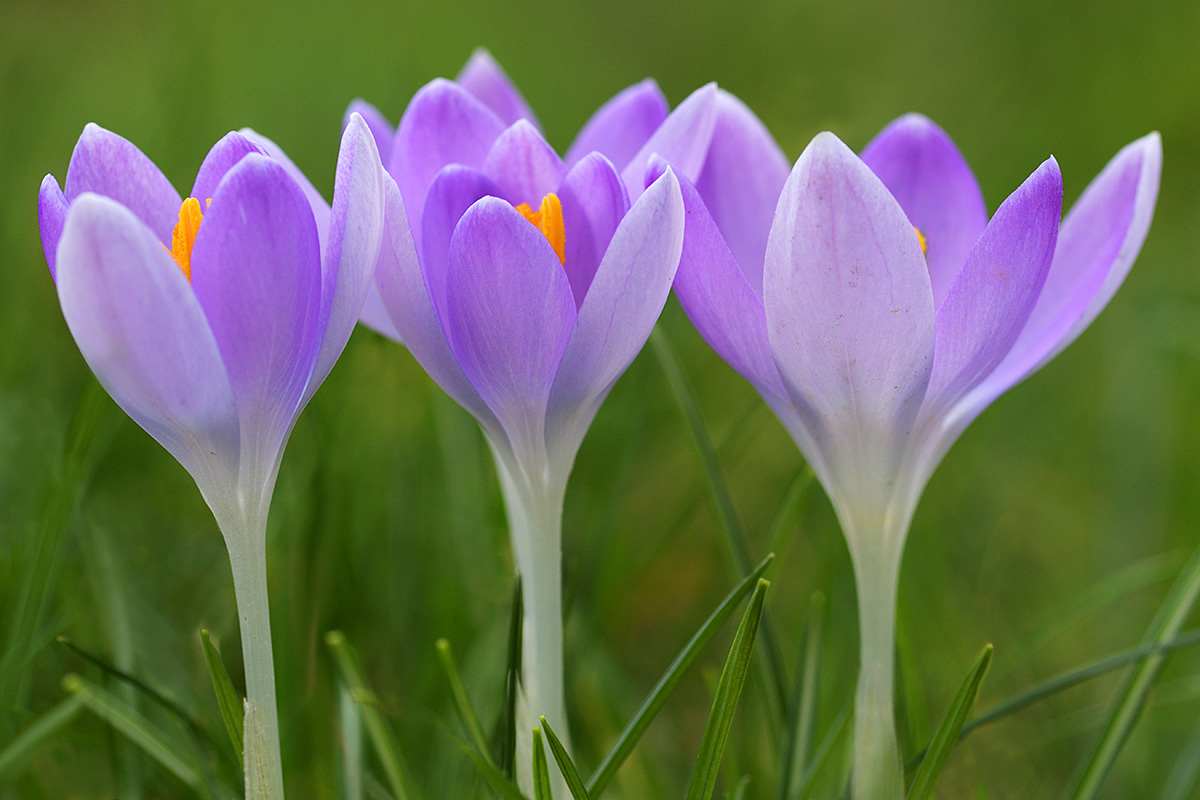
pixel 878 311
pixel 525 284
pixel 212 321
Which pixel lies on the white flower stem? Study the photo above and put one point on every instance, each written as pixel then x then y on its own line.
pixel 535 522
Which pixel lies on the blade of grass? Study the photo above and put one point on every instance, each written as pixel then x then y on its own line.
pixel 350 722
pixel 1131 697
pixel 462 703
pixel 837 730
pixel 803 710
pixel 49 725
pixel 541 769
pixel 735 537
pixel 947 733
pixel 739 792
pixel 1186 773
pixel 565 764
pixel 500 784
pixel 512 684
pixel 382 738
pixel 729 691
pixel 228 700
pixel 134 727
pixel 666 684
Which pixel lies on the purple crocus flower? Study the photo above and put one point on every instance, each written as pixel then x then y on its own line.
pixel 528 326
pixel 212 321
pixel 878 311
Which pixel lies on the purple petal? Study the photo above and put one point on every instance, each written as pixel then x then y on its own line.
pixel 405 295
pixel 52 213
pixel 593 203
pixel 622 125
pixel 352 244
pixel 256 271
pixel 381 129
pixel 989 302
pixel 510 313
pixel 374 313
pixel 682 140
pixel 453 191
pixel 740 183
pixel 484 79
pixel 620 309
pixel 849 308
pixel 140 329
pixel 719 300
pixel 924 171
pixel 320 209
pixel 524 167
pixel 443 124
pixel 227 152
pixel 107 164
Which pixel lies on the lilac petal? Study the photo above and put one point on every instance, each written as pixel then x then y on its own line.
pixel 510 313
pixel 405 295
pixel 381 129
pixel 593 203
pixel 227 152
pixel 524 167
pixel 484 79
pixel 849 310
pixel 620 309
pixel 719 300
pixel 740 183
pixel 256 271
pixel 107 164
pixel 140 329
pixel 52 213
pixel 374 313
pixel 682 140
pixel 453 191
pixel 320 208
pixel 352 244
pixel 924 171
pixel 622 125
pixel 991 299
pixel 443 124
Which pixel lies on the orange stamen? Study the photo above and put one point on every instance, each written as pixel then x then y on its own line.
pixel 921 239
pixel 549 220
pixel 183 238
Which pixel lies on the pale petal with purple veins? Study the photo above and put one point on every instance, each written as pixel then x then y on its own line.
pixel 453 191
pixel 593 203
pixel 381 129
pixel 622 126
pixel 52 214
pixel 922 168
pixel 682 141
pixel 523 166
pixel 483 78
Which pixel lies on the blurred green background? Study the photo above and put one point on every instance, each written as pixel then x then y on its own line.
pixel 1052 529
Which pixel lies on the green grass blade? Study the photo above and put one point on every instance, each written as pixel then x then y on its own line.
pixel 565 764
pixel 512 684
pixel 228 700
pixel 382 738
pixel 500 784
pixel 135 727
pixel 350 722
pixel 839 728
pixel 739 792
pixel 947 733
pixel 1131 697
pixel 729 690
pixel 1186 773
pixel 541 769
pixel 803 711
pixel 667 683
pixel 466 712
pixel 21 749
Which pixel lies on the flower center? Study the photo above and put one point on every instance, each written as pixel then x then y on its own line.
pixel 549 220
pixel 921 239
pixel 183 238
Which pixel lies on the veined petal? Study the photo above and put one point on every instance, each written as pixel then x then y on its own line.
pixel 510 312
pixel 352 244
pixel 991 299
pixel 108 164
pixel 593 202
pixel 228 151
pixel 524 167
pixel 621 307
pixel 682 140
pixel 52 214
pixel 405 295
pixel 443 124
pixel 849 314
pixel 381 129
pixel 622 125
pixel 256 271
pixel 316 201
pixel 452 192
pixel 483 78
pixel 720 302
pixel 740 182
pixel 140 329
pixel 924 171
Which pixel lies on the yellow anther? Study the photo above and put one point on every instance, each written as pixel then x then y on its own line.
pixel 183 238
pixel 921 239
pixel 549 220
